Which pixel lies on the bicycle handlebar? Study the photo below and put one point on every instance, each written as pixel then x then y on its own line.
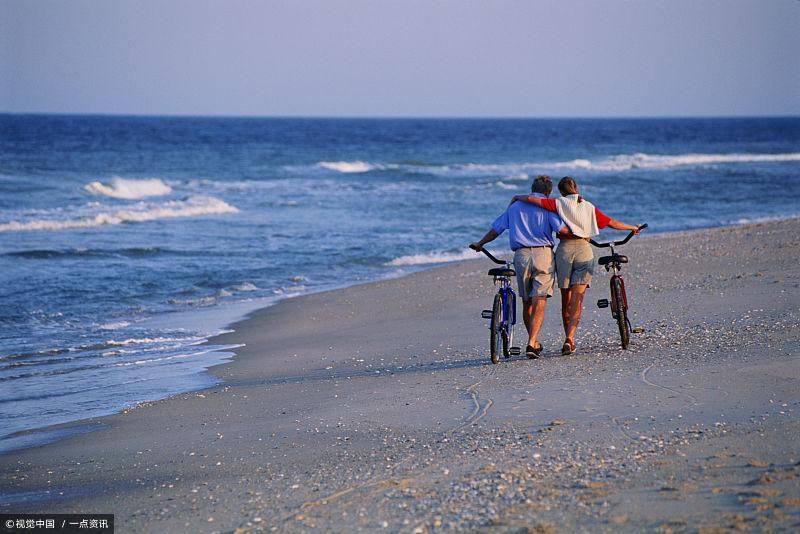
pixel 617 243
pixel 489 255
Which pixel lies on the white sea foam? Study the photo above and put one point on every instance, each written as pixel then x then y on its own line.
pixel 146 341
pixel 625 162
pixel 245 286
pixel 435 257
pixel 129 189
pixel 118 352
pixel 191 207
pixel 502 185
pixel 154 360
pixel 348 166
pixel 523 170
pixel 114 326
pixel 619 163
pixel 200 301
pixel 299 288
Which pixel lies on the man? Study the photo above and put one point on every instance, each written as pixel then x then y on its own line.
pixel 531 238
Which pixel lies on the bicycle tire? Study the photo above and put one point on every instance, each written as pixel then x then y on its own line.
pixel 495 339
pixel 508 332
pixel 622 317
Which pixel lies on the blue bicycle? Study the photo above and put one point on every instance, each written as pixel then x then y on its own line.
pixel 503 315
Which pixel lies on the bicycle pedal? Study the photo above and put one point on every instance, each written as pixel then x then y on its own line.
pixel 602 303
pixel 487 314
pixel 637 331
pixel 514 351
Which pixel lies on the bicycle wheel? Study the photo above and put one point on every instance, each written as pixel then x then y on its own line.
pixel 622 316
pixel 508 331
pixel 495 336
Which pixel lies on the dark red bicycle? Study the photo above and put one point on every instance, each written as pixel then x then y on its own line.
pixel 619 299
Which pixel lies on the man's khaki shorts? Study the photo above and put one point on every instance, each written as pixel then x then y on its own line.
pixel 536 269
pixel 574 262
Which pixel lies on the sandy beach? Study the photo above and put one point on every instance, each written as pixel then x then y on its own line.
pixel 376 407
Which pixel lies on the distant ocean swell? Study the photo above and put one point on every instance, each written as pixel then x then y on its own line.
pixel 617 163
pixel 200 204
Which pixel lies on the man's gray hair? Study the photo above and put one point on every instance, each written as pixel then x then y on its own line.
pixel 542 184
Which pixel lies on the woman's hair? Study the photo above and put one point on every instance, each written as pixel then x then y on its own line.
pixel 568 186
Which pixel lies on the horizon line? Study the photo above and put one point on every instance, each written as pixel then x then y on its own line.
pixel 397 117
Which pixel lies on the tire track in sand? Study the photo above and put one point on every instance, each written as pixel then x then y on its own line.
pixel 480 406
pixel 675 391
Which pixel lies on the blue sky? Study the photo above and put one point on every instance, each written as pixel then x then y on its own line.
pixel 560 58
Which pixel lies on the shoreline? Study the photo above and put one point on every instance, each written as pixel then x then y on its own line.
pixel 224 321
pixel 380 396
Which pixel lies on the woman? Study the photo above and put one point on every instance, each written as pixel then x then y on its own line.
pixel 574 256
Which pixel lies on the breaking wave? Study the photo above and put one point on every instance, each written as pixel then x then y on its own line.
pixel 245 286
pixel 348 166
pixel 502 185
pixel 521 171
pixel 436 257
pixel 191 207
pixel 129 189
pixel 627 162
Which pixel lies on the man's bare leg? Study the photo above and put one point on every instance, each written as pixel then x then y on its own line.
pixel 538 305
pixel 527 314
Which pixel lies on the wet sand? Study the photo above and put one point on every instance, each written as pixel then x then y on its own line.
pixel 376 407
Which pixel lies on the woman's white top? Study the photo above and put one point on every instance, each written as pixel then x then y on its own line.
pixel 579 216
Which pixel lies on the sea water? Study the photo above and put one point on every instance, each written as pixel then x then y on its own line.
pixel 125 242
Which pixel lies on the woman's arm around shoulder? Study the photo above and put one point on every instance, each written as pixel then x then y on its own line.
pixel 546 203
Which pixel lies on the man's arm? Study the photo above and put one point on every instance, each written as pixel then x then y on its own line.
pixel 565 232
pixel 491 235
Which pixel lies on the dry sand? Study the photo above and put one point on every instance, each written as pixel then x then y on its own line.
pixel 376 407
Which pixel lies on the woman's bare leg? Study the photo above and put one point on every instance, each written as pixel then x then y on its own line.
pixel 565 297
pixel 577 292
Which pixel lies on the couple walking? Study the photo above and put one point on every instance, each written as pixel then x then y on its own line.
pixel 531 221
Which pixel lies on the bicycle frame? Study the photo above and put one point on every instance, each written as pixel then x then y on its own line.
pixel 619 297
pixel 506 290
pixel 509 299
pixel 614 303
pixel 616 281
pixel 503 315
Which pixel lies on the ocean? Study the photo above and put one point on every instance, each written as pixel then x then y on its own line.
pixel 126 242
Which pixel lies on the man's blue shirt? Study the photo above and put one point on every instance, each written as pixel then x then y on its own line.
pixel 528 225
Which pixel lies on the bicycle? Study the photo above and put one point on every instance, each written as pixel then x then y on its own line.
pixel 619 299
pixel 503 315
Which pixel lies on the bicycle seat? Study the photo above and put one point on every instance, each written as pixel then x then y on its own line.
pixel 616 258
pixel 502 271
